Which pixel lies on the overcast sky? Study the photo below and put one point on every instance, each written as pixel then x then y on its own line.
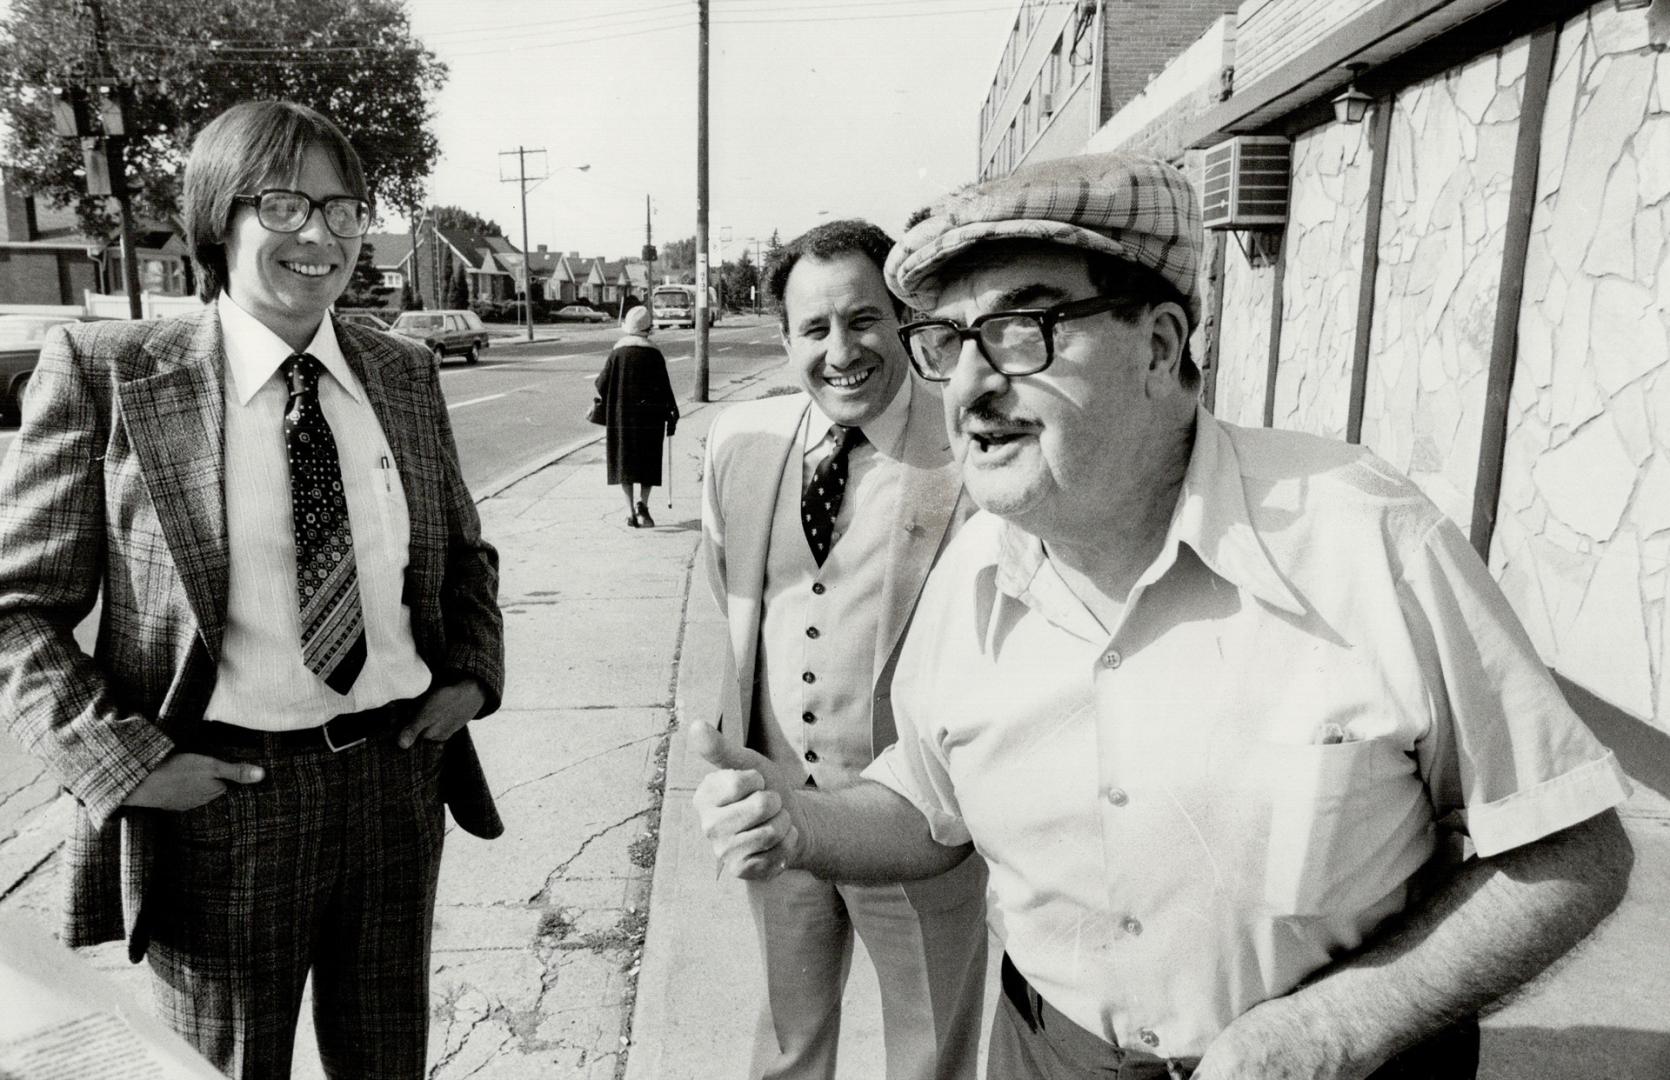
pixel 851 107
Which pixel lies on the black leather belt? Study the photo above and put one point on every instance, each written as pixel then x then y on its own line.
pixel 339 733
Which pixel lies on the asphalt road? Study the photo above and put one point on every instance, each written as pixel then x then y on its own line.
pixel 524 401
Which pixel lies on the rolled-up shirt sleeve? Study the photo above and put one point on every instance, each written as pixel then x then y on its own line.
pixel 1505 758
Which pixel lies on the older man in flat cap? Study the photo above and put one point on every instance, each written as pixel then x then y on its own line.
pixel 1270 781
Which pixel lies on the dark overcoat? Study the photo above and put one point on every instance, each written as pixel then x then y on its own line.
pixel 638 407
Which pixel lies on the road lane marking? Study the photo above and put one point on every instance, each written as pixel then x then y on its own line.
pixel 474 401
pixel 489 397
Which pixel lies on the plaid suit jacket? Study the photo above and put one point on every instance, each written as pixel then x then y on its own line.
pixel 115 482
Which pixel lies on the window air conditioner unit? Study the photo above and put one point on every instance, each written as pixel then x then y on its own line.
pixel 1246 182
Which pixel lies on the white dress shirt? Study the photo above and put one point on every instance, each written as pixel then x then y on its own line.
pixel 1314 686
pixel 261 681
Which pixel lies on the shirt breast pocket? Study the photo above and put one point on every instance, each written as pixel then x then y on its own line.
pixel 1344 823
pixel 388 501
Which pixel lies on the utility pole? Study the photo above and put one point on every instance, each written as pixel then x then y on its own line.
pixel 649 263
pixel 701 203
pixel 102 97
pixel 417 278
pixel 522 179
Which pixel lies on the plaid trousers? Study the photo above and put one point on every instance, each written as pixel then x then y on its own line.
pixel 329 864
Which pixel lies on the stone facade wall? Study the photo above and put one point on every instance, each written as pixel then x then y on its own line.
pixel 1326 221
pixel 1449 172
pixel 1244 349
pixel 1582 541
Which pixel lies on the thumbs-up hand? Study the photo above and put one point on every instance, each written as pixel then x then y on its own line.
pixel 744 807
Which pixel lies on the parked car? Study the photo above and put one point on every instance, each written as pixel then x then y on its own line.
pixel 362 318
pixel 579 313
pixel 21 337
pixel 446 332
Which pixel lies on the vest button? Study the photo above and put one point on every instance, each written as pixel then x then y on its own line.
pixel 809 717
pixel 811 631
pixel 1118 797
pixel 1131 926
pixel 808 677
pixel 812 756
pixel 1149 1036
pixel 817 588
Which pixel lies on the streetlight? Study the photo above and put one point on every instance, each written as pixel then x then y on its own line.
pixel 522 179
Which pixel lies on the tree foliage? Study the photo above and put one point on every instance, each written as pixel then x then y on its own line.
pixel 188 60
pixel 365 285
pixel 456 217
pixel 679 259
pixel 737 280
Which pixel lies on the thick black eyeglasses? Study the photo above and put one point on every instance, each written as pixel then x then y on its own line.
pixel 1019 342
pixel 280 210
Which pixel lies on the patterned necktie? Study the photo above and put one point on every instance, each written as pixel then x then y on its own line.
pixel 821 500
pixel 327 585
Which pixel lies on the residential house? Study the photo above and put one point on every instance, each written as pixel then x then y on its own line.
pixel 391 254
pixel 1473 279
pixel 46 260
pixel 486 261
pixel 625 277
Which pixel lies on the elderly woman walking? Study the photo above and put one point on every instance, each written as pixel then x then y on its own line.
pixel 637 401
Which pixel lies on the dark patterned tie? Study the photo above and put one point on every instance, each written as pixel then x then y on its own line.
pixel 821 500
pixel 327 585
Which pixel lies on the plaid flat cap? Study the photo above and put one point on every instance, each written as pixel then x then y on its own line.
pixel 1136 208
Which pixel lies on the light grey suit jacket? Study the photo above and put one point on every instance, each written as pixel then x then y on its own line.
pixel 748 448
pixel 116 485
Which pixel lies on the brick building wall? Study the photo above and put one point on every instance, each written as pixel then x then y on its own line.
pixel 1142 37
pixel 1271 32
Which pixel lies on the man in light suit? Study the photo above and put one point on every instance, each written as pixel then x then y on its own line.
pixel 822 513
pixel 299 617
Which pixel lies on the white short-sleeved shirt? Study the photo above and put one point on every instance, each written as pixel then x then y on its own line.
pixel 1315 684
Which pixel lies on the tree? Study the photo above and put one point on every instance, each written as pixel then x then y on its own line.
pixel 365 285
pixel 738 279
pixel 678 259
pixel 455 217
pixel 188 60
pixel 458 291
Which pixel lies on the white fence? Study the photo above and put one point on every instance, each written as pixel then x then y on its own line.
pixel 151 305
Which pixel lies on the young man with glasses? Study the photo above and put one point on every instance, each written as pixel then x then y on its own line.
pixel 822 513
pixel 298 619
pixel 1219 706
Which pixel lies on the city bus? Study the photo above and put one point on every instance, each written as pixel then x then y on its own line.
pixel 675 305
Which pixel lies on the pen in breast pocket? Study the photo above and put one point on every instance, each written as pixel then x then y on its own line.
pixel 386 467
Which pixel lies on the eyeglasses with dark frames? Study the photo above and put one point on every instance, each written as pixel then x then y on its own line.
pixel 1018 342
pixel 281 210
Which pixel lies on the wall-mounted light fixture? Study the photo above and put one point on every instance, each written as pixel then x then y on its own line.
pixel 1352 104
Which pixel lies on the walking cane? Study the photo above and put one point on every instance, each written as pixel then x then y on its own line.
pixel 669 472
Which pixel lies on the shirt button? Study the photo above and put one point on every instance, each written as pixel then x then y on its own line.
pixel 1111 659
pixel 811 631
pixel 1118 797
pixel 809 717
pixel 812 756
pixel 1148 1036
pixel 817 588
pixel 1131 926
pixel 808 677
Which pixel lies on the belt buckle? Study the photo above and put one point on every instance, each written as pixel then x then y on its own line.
pixel 335 749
